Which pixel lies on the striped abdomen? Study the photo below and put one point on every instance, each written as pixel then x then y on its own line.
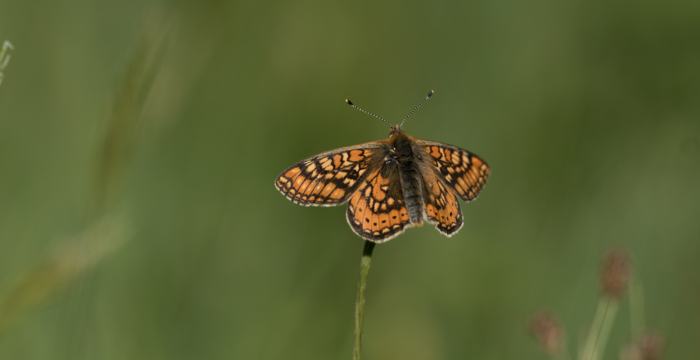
pixel 412 190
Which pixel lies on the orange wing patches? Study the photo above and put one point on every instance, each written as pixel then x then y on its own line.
pixel 337 194
pixel 374 212
pixel 318 187
pixel 310 187
pixel 336 160
pixel 341 174
pixel 430 210
pixel 394 218
pixel 434 152
pixel 379 188
pixel 328 190
pixel 403 213
pixel 356 155
pixel 291 173
pixel 375 222
pixel 461 183
pixel 299 180
pixel 304 185
pixel 466 159
pixel 459 189
pixel 441 207
pixel 464 172
pixel 455 158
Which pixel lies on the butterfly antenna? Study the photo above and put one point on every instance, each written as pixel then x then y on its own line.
pixel 416 108
pixel 367 112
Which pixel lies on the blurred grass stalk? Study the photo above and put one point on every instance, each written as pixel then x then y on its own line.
pixel 73 258
pixel 104 232
pixel 4 60
pixel 615 283
pixel 126 117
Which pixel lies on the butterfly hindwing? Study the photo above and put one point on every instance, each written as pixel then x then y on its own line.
pixel 464 172
pixel 440 205
pixel 376 210
pixel 330 178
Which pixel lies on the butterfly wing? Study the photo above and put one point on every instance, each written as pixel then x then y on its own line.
pixel 464 172
pixel 377 211
pixel 440 205
pixel 330 178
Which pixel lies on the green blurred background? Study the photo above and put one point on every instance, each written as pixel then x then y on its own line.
pixel 172 119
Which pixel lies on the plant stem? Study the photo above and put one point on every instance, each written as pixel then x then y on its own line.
pixel 4 59
pixel 360 304
pixel 600 329
pixel 588 352
pixel 605 328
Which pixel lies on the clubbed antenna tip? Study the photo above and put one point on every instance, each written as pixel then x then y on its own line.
pixel 416 108
pixel 367 112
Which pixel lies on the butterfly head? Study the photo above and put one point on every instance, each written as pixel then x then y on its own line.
pixel 394 130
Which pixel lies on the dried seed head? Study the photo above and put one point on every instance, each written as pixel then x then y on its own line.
pixel 649 347
pixel 548 332
pixel 616 273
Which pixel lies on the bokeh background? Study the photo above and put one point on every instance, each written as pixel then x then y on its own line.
pixel 139 142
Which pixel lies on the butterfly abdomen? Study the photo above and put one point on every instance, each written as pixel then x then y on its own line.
pixel 411 185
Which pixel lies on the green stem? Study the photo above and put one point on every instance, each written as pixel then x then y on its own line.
pixel 4 59
pixel 360 304
pixel 606 327
pixel 600 329
pixel 589 347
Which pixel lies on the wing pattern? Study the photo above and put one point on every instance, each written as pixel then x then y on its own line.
pixel 330 178
pixel 377 211
pixel 440 205
pixel 463 171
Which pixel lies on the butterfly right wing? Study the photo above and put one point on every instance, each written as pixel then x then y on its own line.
pixel 331 178
pixel 463 171
pixel 440 205
pixel 377 211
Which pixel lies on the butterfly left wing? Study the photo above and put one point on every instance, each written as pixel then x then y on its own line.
pixel 330 178
pixel 464 172
pixel 377 212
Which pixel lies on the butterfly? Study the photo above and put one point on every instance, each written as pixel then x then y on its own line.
pixel 390 185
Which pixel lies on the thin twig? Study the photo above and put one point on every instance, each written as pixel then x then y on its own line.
pixel 360 304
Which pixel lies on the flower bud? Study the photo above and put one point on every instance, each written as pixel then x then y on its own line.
pixel 548 332
pixel 649 347
pixel 616 272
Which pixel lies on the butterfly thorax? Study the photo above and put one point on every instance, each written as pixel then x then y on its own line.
pixel 406 157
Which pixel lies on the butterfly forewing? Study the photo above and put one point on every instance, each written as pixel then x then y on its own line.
pixel 331 178
pixel 377 211
pixel 464 172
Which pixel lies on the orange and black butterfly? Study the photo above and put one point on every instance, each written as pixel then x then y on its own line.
pixel 390 184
